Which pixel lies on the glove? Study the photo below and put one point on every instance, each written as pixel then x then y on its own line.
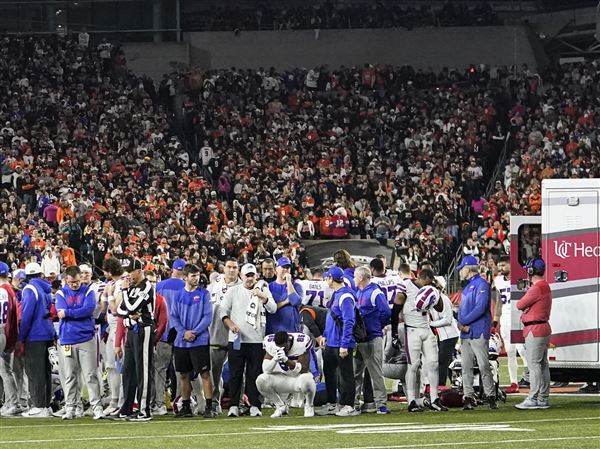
pixel 280 356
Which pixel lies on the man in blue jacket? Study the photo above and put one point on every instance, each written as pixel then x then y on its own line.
pixel 168 289
pixel 288 297
pixel 375 311
pixel 75 305
pixel 339 344
pixel 190 313
pixel 36 335
pixel 474 323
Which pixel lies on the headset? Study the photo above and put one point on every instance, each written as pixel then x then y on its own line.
pixel 535 267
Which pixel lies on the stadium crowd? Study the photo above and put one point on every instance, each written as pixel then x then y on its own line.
pixel 97 167
pixel 328 15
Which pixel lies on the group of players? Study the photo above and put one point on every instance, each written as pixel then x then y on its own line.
pixel 178 321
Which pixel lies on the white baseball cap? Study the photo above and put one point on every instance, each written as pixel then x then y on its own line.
pixel 85 268
pixel 33 268
pixel 248 268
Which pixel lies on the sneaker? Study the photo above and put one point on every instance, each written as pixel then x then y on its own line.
pixel 234 411
pixel 10 411
pixel 524 383
pixel 184 412
pixel 327 409
pixel 543 404
pixel 79 411
pixel 255 411
pixel 514 388
pixel 492 404
pixel 98 412
pixel 121 417
pixel 527 404
pixel 309 411
pixel 279 412
pixel 368 407
pixel 217 409
pixel 111 411
pixel 209 413
pixel 140 417
pixel 468 403
pixel 438 406
pixel 413 407
pixel 38 412
pixel 59 413
pixel 347 410
pixel 160 411
pixel 383 410
pixel 69 414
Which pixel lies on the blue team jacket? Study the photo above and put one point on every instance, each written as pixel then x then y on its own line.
pixel 191 311
pixel 349 278
pixel 374 309
pixel 79 325
pixel 342 304
pixel 474 309
pixel 287 318
pixel 36 301
pixel 168 289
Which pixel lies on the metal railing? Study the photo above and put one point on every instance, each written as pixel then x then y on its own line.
pixel 452 278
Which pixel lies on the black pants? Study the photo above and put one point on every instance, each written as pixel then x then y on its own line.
pixel 333 367
pixel 367 388
pixel 445 350
pixel 39 372
pixel 250 357
pixel 138 369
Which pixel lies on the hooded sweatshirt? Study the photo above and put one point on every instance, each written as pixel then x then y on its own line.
pixel 78 325
pixel 374 309
pixel 36 301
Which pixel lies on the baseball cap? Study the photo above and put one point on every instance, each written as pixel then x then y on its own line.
pixel 4 269
pixel 467 261
pixel 33 268
pixel 179 264
pixel 135 264
pixel 19 274
pixel 335 273
pixel 85 268
pixel 284 262
pixel 248 268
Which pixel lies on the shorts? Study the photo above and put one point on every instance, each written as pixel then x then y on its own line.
pixel 195 359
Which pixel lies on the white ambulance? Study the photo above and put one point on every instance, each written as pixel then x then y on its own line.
pixel 567 237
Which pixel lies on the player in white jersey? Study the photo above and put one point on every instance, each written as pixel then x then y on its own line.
pixel 390 284
pixel 114 272
pixel 419 339
pixel 502 314
pixel 286 370
pixel 219 334
pixel 316 292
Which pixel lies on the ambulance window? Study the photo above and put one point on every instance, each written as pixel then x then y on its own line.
pixel 530 242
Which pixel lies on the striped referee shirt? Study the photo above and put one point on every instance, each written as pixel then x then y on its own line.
pixel 138 299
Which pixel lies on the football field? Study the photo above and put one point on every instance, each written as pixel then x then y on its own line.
pixel 572 422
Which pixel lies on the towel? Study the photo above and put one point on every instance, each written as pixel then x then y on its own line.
pixel 256 315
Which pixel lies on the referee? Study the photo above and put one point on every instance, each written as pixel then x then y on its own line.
pixel 136 307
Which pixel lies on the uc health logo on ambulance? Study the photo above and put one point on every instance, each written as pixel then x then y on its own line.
pixel 565 250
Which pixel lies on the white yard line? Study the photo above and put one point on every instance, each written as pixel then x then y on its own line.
pixel 293 428
pixel 473 443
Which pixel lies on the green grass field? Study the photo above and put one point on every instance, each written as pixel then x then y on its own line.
pixel 572 422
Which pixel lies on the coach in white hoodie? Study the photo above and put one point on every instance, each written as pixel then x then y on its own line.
pixel 243 311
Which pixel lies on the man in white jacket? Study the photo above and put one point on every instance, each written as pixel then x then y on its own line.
pixel 243 311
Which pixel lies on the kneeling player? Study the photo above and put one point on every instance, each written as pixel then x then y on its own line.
pixel 286 370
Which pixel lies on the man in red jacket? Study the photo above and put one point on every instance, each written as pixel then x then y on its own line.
pixel 8 339
pixel 340 225
pixel 536 306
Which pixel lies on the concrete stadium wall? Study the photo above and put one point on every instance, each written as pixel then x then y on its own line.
pixel 431 47
pixel 155 60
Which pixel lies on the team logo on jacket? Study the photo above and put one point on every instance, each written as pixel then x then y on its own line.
pixel 196 299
